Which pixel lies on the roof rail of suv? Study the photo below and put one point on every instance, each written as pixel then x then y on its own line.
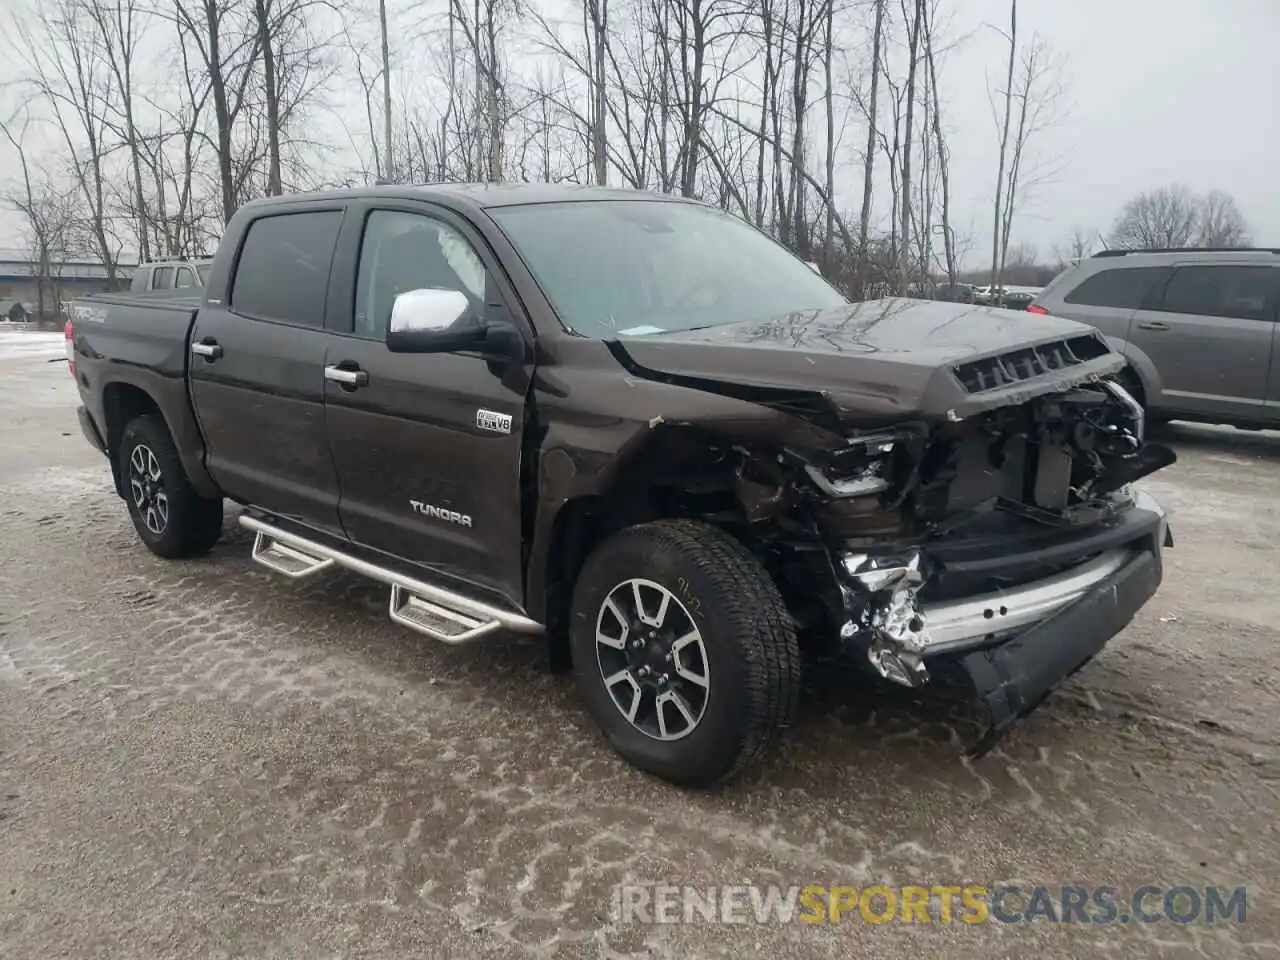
pixel 1121 253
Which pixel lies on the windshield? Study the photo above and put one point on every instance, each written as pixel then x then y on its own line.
pixel 626 267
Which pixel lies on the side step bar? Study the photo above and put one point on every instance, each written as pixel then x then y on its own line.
pixel 430 610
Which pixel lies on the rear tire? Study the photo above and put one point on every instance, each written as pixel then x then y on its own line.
pixel 170 517
pixel 679 609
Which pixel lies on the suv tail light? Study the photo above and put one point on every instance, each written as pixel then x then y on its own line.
pixel 70 338
pixel 1036 308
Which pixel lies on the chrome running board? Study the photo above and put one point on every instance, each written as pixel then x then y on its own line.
pixel 430 610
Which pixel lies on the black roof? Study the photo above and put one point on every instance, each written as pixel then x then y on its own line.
pixel 484 195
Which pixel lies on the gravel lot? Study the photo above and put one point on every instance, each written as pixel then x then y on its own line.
pixel 198 759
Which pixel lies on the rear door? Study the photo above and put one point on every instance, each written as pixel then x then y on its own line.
pixel 257 368
pixel 1106 299
pixel 184 278
pixel 162 278
pixel 1208 334
pixel 427 446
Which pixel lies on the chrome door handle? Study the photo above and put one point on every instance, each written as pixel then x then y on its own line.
pixel 208 349
pixel 1153 325
pixel 347 378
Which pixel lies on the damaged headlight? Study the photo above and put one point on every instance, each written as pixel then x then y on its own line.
pixel 862 468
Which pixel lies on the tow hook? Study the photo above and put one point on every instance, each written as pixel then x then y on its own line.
pixel 886 617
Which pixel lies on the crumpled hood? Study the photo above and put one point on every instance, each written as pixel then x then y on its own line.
pixel 873 362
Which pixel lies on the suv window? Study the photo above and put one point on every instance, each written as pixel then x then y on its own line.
pixel 1220 291
pixel 410 251
pixel 283 270
pixel 162 279
pixel 1124 287
pixel 184 278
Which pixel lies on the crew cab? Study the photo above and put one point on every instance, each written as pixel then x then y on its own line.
pixel 638 427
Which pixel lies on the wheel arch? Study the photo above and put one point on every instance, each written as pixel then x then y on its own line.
pixel 577 511
pixel 124 400
pixel 1142 369
pixel 121 403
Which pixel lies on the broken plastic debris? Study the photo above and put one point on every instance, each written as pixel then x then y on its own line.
pixel 655 421
pixel 1169 619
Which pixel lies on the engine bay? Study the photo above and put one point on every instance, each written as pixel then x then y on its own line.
pixel 1054 460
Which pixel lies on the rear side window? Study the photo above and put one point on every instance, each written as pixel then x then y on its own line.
pixel 162 279
pixel 283 270
pixel 1221 291
pixel 1119 287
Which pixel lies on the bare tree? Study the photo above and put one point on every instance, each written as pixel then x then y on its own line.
pixel 942 153
pixel 69 70
pixel 229 47
pixel 913 59
pixel 263 13
pixel 481 26
pixel 869 158
pixel 1221 224
pixel 1076 247
pixel 48 215
pixel 597 26
pixel 1037 92
pixel 997 217
pixel 119 26
pixel 1165 217
pixel 828 54
pixel 386 89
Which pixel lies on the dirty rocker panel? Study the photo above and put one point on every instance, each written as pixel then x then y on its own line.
pixel 1013 678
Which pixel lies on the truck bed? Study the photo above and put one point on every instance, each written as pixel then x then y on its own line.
pixel 129 345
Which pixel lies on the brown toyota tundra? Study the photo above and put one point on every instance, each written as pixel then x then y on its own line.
pixel 640 428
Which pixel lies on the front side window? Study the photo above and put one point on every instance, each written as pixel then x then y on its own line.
pixel 410 251
pixel 283 270
pixel 1123 287
pixel 633 267
pixel 162 279
pixel 1221 291
pixel 185 278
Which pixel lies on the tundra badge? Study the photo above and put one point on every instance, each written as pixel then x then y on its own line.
pixel 493 421
pixel 431 510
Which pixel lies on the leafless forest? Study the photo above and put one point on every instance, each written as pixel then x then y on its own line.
pixel 141 125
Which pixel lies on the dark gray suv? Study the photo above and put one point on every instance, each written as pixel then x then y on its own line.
pixel 1197 325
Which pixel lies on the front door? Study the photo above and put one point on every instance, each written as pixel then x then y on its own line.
pixel 1209 338
pixel 427 446
pixel 257 371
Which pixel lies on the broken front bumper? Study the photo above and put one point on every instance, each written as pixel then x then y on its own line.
pixel 1016 644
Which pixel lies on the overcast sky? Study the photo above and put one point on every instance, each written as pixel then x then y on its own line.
pixel 1157 91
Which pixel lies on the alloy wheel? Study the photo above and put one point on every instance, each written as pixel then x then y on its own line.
pixel 652 659
pixel 147 487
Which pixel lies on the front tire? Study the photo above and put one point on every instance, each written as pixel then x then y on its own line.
pixel 684 651
pixel 170 517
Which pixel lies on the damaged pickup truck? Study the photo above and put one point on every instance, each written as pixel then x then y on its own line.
pixel 637 427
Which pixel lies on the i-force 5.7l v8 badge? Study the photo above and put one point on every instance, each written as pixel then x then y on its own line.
pixel 493 421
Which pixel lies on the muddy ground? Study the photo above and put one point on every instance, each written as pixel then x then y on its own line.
pixel 197 759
